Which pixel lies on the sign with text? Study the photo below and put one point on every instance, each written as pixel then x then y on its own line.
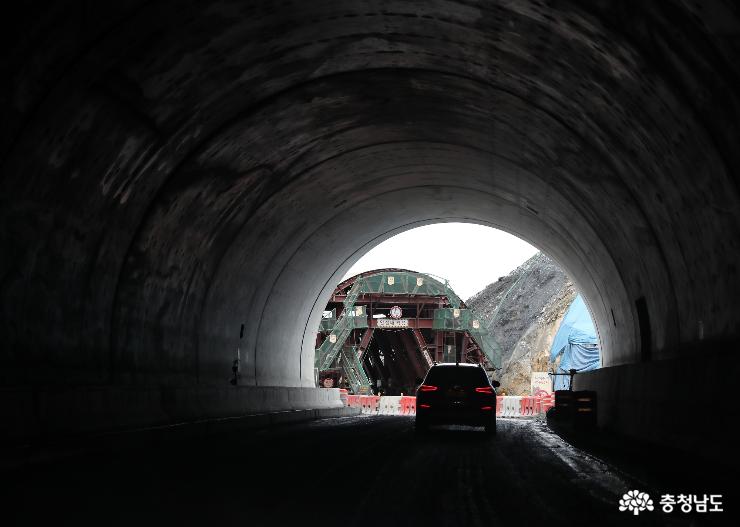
pixel 393 323
pixel 541 383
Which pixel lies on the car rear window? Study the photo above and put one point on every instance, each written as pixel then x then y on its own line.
pixel 450 375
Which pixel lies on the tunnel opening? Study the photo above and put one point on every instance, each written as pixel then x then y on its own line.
pixel 382 329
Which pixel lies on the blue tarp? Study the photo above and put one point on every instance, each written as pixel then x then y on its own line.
pixel 577 341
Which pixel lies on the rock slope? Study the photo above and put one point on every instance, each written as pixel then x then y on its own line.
pixel 523 311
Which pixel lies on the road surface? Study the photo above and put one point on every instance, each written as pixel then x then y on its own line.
pixel 358 471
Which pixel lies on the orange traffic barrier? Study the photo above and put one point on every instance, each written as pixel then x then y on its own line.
pixel 523 406
pixel 548 401
pixel 527 406
pixel 408 405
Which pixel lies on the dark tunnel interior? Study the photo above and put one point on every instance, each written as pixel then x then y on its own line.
pixel 173 170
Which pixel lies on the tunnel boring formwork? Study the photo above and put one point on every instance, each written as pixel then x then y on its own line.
pixel 385 328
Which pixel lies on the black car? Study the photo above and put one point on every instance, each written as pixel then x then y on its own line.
pixel 456 394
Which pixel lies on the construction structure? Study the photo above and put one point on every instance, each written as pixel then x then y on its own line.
pixel 383 329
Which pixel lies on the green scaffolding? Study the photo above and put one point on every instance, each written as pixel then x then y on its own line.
pixel 456 319
pixel 396 282
pixel 405 283
pixel 351 318
pixel 353 370
pixel 452 319
pixel 328 323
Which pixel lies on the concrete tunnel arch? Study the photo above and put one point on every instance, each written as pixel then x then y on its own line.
pixel 308 339
pixel 334 246
pixel 170 172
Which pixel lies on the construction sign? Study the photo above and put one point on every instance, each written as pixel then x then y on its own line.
pixel 541 383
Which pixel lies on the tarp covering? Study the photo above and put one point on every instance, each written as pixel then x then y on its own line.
pixel 578 343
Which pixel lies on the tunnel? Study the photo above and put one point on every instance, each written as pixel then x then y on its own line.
pixel 174 171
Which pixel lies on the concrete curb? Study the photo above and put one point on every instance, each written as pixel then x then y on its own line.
pixel 34 415
pixel 156 435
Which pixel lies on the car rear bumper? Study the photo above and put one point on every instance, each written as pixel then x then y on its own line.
pixel 469 417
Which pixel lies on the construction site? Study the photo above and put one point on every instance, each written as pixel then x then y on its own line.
pixel 383 329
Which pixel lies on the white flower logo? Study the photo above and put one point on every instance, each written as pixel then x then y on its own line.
pixel 636 501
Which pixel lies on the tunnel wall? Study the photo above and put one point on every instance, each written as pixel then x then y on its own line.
pixel 684 404
pixel 171 171
pixel 55 412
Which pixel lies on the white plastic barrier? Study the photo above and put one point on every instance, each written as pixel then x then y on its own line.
pixel 390 405
pixel 512 405
pixel 370 404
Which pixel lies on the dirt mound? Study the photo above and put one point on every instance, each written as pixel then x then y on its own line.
pixel 523 311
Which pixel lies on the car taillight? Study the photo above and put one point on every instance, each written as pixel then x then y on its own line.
pixel 486 407
pixel 428 388
pixel 424 406
pixel 484 389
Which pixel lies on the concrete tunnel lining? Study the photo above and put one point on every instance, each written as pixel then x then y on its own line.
pixel 327 245
pixel 205 166
pixel 439 173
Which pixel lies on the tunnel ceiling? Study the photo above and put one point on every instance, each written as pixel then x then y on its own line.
pixel 172 170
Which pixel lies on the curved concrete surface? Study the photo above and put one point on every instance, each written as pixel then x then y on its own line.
pixel 172 172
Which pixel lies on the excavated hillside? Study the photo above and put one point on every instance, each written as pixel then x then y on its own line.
pixel 523 310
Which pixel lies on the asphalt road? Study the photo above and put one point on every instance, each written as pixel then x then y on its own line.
pixel 359 471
